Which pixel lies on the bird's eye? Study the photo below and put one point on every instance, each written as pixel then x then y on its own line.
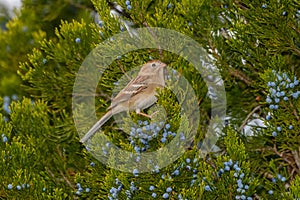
pixel 153 65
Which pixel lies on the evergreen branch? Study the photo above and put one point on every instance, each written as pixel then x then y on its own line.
pixel 66 179
pixel 298 31
pixel 124 71
pixel 294 111
pixel 248 117
pixel 214 52
pixel 296 50
pixel 118 9
pixel 256 196
pixel 268 175
pixel 50 172
pixel 282 156
pixel 297 157
pixel 238 74
pixel 77 5
pixel 241 5
pixel 154 36
pixel 293 27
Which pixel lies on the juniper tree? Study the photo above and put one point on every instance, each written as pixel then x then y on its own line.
pixel 255 46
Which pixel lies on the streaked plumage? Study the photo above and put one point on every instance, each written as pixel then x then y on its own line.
pixel 138 94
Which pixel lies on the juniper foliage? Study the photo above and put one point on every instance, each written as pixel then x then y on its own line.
pixel 256 47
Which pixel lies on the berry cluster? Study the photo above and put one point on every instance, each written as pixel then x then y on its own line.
pixel 18 187
pixel 6 102
pixel 128 6
pixel 4 138
pixel 265 6
pixel 114 191
pixel 281 89
pixel 141 135
pixel 242 187
pixel 278 177
pixel 80 189
pixel 187 168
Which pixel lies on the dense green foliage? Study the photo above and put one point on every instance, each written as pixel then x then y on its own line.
pixel 256 47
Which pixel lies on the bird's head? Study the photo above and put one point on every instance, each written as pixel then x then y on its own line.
pixel 153 67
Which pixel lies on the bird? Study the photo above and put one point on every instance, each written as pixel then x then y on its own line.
pixel 140 93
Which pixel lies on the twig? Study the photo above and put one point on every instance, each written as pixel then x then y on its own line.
pixel 248 116
pixel 293 27
pixel 90 95
pixel 124 72
pixel 214 52
pixel 268 175
pixel 297 157
pixel 281 155
pixel 241 5
pixel 298 51
pixel 256 196
pixel 240 76
pixel 114 6
pixel 294 111
pixel 67 180
pixel 50 172
pixel 265 149
pixel 153 35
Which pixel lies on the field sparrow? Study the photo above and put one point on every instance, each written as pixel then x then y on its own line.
pixel 138 94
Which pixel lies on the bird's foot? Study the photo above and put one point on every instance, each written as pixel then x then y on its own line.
pixel 147 115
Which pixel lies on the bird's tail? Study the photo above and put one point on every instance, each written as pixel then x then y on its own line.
pixel 96 126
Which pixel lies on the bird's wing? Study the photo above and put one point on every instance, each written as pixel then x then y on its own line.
pixel 134 87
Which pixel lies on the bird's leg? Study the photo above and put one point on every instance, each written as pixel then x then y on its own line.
pixel 138 111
